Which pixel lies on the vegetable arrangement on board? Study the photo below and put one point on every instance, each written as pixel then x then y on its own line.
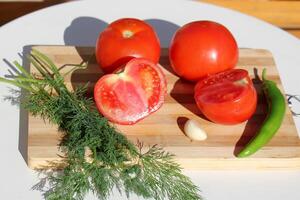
pixel 115 161
pixel 134 87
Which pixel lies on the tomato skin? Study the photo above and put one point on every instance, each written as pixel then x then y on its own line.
pixel 125 39
pixel 201 48
pixel 226 98
pixel 132 93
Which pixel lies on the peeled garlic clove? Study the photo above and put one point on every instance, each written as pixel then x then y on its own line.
pixel 194 131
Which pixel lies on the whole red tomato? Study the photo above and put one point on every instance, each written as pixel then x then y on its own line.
pixel 227 97
pixel 125 39
pixel 132 93
pixel 201 48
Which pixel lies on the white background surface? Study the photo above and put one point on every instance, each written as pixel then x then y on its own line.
pixel 78 23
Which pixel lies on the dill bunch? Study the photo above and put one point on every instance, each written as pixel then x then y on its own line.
pixel 114 160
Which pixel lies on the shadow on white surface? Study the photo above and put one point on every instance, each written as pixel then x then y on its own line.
pixel 164 29
pixel 23 130
pixel 16 97
pixel 83 31
pixel 23 119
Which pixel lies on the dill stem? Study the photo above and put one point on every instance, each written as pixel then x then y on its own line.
pixel 21 69
pixel 16 83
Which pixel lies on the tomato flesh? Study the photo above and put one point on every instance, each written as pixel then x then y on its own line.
pixel 131 94
pixel 227 98
pixel 125 39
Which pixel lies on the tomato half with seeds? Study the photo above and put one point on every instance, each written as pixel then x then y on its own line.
pixel 132 92
pixel 227 97
pixel 125 39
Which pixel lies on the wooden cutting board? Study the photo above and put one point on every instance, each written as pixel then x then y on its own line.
pixel 165 126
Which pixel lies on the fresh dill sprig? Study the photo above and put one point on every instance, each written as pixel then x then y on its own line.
pixel 114 160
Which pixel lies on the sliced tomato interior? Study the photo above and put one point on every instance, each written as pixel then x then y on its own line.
pixel 151 83
pixel 226 76
pixel 222 87
pixel 219 93
pixel 227 97
pixel 131 94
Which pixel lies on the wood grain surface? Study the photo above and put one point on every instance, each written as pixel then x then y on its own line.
pixel 165 126
pixel 10 10
pixel 282 13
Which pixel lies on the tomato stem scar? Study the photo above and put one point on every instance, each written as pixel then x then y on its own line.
pixel 127 34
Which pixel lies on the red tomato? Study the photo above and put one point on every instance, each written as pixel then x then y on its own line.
pixel 227 97
pixel 125 39
pixel 201 48
pixel 132 93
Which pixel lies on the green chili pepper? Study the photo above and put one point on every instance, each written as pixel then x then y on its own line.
pixel 273 121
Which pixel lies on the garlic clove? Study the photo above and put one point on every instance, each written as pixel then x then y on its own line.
pixel 194 131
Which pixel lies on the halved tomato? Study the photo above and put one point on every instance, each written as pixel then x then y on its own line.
pixel 227 97
pixel 132 92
